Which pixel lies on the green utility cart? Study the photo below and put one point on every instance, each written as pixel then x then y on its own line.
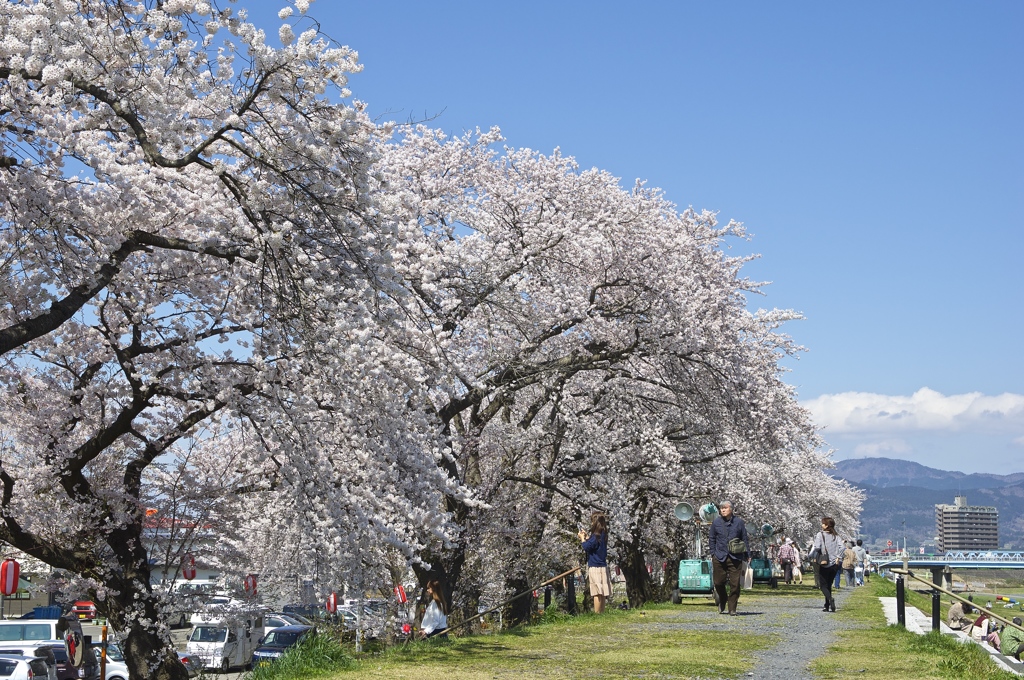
pixel 694 579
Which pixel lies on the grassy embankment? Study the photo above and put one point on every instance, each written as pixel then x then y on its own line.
pixel 876 650
pixel 667 641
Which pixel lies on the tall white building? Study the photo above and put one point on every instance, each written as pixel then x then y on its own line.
pixel 966 527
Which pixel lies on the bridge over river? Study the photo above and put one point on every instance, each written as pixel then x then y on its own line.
pixel 943 566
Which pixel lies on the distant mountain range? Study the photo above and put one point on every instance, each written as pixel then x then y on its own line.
pixel 901 490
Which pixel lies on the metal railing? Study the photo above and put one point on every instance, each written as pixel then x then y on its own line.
pixel 901 616
pixel 984 556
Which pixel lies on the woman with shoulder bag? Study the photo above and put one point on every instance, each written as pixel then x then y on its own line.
pixel 827 553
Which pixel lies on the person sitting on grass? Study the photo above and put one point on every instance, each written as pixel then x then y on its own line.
pixel 1013 640
pixel 435 618
pixel 984 629
pixel 959 616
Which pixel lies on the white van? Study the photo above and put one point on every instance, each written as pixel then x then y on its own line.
pixel 224 643
pixel 28 630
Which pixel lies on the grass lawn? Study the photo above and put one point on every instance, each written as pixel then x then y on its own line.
pixel 661 641
pixel 877 650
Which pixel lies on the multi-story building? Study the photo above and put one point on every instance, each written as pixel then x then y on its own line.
pixel 966 527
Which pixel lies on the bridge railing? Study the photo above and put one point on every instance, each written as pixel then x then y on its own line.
pixel 984 556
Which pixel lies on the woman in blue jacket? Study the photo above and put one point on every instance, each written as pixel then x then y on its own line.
pixel 596 548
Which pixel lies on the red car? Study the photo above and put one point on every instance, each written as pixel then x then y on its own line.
pixel 84 609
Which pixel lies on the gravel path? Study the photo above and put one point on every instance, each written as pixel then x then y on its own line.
pixel 804 633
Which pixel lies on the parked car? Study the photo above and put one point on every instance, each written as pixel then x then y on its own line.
pixel 279 641
pixel 312 612
pixel 40 650
pixel 84 609
pixel 224 643
pixel 22 668
pixel 37 631
pixel 276 620
pixel 299 619
pixel 90 669
pixel 191 662
pixel 35 649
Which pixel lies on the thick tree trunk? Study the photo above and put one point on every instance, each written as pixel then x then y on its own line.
pixel 148 654
pixel 522 609
pixel 148 658
pixel 639 587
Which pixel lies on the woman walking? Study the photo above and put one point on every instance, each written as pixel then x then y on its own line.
pixel 827 553
pixel 596 548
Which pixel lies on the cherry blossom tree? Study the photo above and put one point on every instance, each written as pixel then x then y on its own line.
pixel 227 295
pixel 587 346
pixel 189 256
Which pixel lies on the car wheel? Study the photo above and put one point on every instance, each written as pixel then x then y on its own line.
pixel 225 666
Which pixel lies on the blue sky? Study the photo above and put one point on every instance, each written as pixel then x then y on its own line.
pixel 873 150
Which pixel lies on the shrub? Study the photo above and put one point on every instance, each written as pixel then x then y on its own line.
pixel 317 655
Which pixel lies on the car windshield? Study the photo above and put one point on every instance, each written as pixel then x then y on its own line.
pixel 25 631
pixel 60 654
pixel 208 634
pixel 114 653
pixel 7 668
pixel 278 638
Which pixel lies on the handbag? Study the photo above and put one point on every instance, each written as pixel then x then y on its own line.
pixel 820 555
pixel 737 546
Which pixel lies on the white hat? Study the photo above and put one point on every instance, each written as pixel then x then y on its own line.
pixel 788 541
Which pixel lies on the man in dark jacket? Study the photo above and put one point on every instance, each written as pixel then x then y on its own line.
pixel 725 563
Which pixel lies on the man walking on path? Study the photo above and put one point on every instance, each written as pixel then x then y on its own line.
pixel 861 555
pixel 787 558
pixel 728 539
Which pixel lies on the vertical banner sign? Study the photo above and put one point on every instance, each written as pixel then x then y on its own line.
pixel 188 566
pixel 332 603
pixel 10 571
pixel 400 594
pixel 250 585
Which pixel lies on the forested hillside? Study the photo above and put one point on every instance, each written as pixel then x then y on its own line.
pixel 900 490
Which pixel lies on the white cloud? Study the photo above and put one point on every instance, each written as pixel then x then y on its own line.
pixel 881 448
pixel 925 410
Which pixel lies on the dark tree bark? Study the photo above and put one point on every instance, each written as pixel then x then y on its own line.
pixel 639 585
pixel 521 609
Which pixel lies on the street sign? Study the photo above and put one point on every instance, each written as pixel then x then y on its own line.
pixel 888 544
pixel 332 603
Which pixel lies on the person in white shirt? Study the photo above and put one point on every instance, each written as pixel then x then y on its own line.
pixel 435 618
